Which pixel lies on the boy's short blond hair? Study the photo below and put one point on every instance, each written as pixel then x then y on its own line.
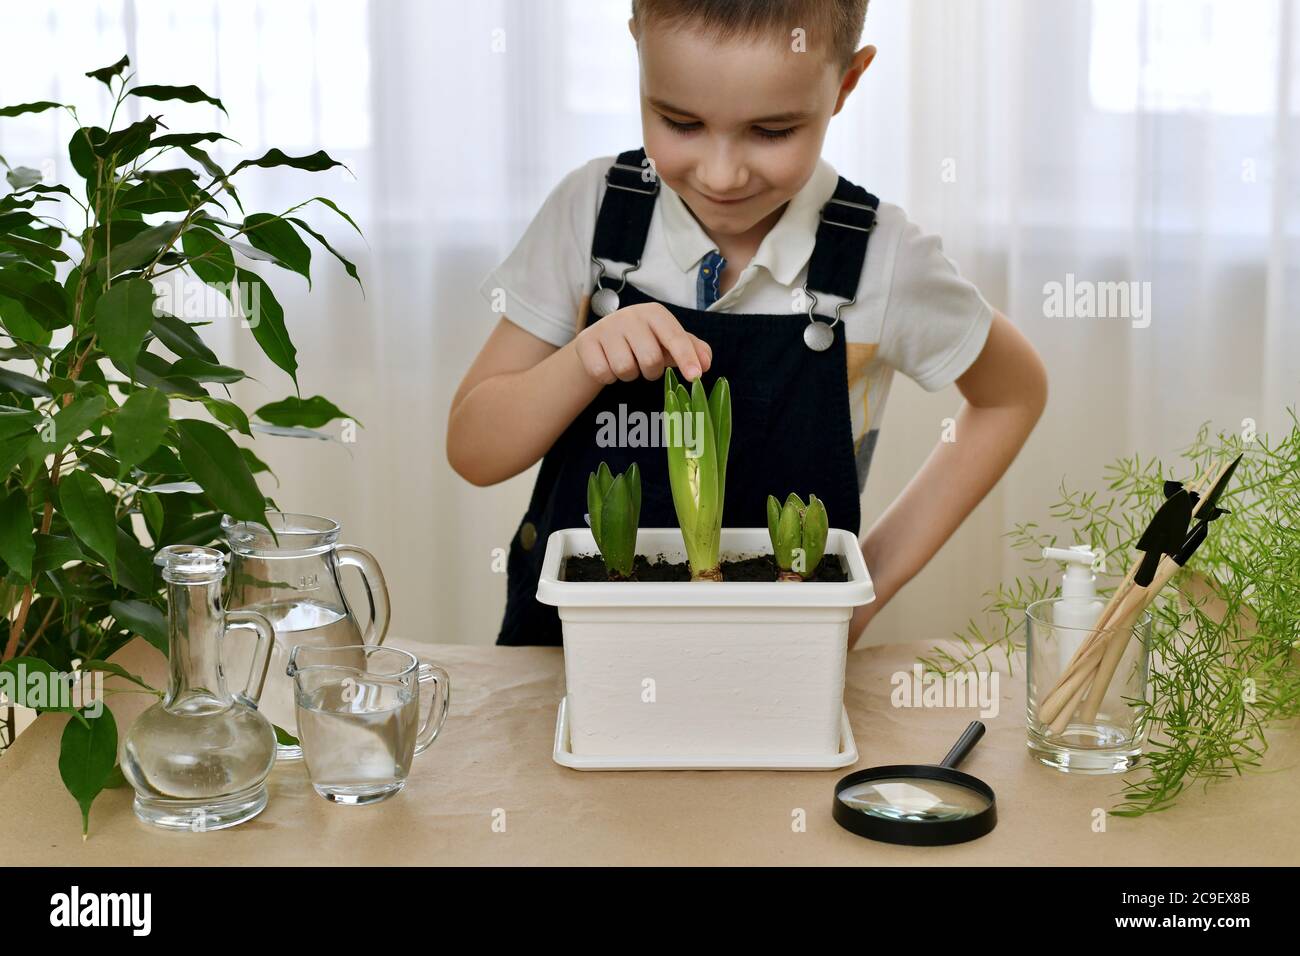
pixel 834 26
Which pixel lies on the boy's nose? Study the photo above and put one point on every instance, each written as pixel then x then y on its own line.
pixel 722 176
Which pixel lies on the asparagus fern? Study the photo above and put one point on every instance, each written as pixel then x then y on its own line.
pixel 1225 642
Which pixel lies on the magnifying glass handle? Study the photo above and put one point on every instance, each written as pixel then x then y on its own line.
pixel 965 743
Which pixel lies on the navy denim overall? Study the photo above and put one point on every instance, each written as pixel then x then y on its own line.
pixel 792 428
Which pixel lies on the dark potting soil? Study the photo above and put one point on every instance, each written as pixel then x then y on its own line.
pixel 590 567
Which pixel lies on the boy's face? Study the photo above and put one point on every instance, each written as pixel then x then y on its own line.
pixel 736 128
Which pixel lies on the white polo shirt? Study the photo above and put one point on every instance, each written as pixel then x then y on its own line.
pixel 914 312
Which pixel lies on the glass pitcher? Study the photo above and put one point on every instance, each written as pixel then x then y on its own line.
pixel 199 758
pixel 294 581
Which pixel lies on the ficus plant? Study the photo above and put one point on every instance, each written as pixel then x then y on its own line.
pixel 115 418
pixel 614 508
pixel 698 432
pixel 798 534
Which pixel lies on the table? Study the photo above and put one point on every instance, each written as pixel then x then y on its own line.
pixel 487 792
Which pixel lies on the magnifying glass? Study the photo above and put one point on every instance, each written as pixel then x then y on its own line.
pixel 917 804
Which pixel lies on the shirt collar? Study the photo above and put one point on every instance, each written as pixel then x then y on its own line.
pixel 786 248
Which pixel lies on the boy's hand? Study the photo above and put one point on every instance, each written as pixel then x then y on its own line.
pixel 641 340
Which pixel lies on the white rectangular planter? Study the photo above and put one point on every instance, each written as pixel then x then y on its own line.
pixel 742 668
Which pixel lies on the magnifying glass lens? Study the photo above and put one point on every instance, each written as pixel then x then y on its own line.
pixel 913 800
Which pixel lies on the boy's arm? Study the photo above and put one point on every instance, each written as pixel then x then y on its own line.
pixel 521 393
pixel 517 398
pixel 1005 390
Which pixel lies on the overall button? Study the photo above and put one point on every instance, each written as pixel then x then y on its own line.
pixel 528 536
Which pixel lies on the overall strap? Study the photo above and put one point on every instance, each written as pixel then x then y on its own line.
pixel 624 218
pixel 838 253
pixel 841 246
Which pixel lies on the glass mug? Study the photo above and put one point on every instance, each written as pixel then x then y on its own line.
pixel 1107 741
pixel 292 577
pixel 358 712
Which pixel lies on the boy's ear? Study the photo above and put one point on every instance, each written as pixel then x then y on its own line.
pixel 631 28
pixel 857 66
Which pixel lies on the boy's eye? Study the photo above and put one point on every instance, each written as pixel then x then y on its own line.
pixel 774 133
pixel 677 127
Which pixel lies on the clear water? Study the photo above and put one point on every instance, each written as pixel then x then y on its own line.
pixel 358 734
pixel 297 623
pixel 200 750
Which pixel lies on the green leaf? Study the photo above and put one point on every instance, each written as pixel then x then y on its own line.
pixel 720 414
pixel 330 203
pixel 33 249
pixel 116 670
pixel 43 694
pixel 125 144
pixel 209 257
pixel 317 162
pixel 88 509
pixel 276 237
pixel 138 250
pixel 594 510
pixel 155 371
pixel 20 177
pixel 202 371
pixel 187 94
pixel 188 139
pixel 21 384
pixel 213 169
pixel 228 413
pixel 179 336
pixel 123 317
pixel 283 736
pixel 81 151
pixel 116 779
pixel 54 551
pixel 168 190
pixel 43 298
pixel 347 263
pixel 135 567
pixel 304 412
pixel 143 619
pixel 17 421
pixel 87 756
pixel 20 109
pixel 106 73
pixel 20 325
pixel 139 426
pixel 618 532
pixel 773 519
pixel 68 424
pixel 634 487
pixel 214 461
pixel 17 546
pixel 788 531
pixel 816 526
pixel 152 510
pixel 266 318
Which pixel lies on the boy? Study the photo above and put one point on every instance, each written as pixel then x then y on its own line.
pixel 729 247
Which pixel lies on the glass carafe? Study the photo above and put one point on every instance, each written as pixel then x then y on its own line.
pixel 199 758
pixel 293 579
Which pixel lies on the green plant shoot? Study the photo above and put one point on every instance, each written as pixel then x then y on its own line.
pixel 798 533
pixel 698 438
pixel 614 505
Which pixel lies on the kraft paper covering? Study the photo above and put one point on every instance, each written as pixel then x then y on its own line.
pixel 487 792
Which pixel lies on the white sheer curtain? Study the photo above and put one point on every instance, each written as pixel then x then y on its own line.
pixel 1093 141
